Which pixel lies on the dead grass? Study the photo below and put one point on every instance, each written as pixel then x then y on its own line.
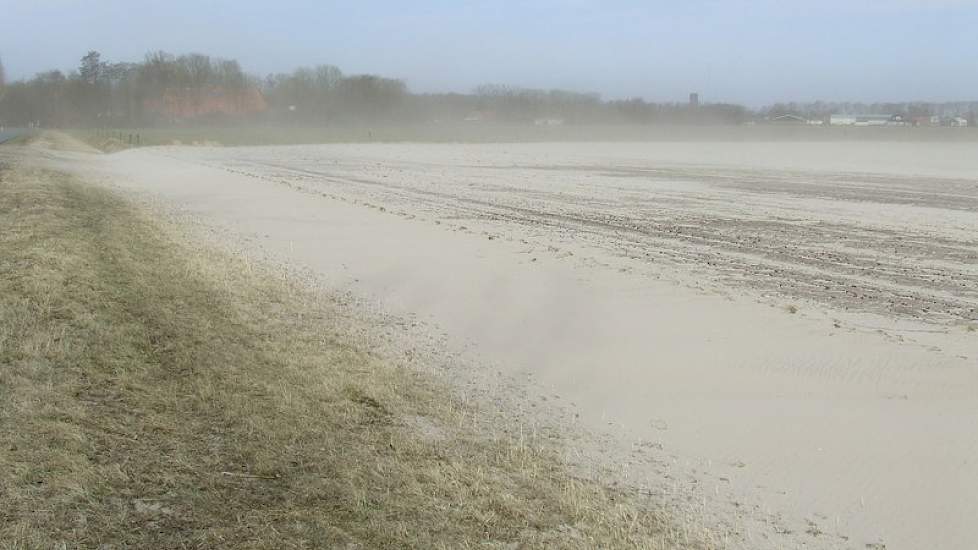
pixel 107 145
pixel 154 396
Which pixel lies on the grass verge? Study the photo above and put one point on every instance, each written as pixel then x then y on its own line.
pixel 157 396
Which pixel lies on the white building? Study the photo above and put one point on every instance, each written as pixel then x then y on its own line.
pixel 863 120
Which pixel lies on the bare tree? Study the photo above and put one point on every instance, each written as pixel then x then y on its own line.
pixel 91 68
pixel 370 97
pixel 328 77
pixel 200 71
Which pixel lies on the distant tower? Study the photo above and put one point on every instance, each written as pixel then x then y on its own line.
pixel 694 100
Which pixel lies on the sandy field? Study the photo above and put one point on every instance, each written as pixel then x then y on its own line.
pixel 780 338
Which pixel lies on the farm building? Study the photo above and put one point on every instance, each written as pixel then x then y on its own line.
pixel 925 120
pixel 548 122
pixel 790 119
pixel 480 116
pixel 866 120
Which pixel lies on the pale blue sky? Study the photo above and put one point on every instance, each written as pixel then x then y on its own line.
pixel 753 52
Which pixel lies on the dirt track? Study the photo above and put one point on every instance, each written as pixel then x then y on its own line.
pixel 776 336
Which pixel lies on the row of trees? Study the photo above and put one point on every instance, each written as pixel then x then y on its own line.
pixel 194 88
pixel 324 95
pixel 102 93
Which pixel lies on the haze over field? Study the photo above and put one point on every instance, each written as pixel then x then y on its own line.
pixel 553 274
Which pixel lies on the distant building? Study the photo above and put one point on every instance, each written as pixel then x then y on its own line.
pixel 925 120
pixel 956 122
pixel 842 120
pixel 794 120
pixel 479 116
pixel 789 119
pixel 866 120
pixel 694 100
pixel 549 122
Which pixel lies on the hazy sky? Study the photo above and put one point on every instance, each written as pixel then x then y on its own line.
pixel 752 52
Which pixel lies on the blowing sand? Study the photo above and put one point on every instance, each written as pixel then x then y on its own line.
pixel 780 338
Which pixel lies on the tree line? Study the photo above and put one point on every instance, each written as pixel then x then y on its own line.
pixel 166 89
pixel 100 93
pixel 198 89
